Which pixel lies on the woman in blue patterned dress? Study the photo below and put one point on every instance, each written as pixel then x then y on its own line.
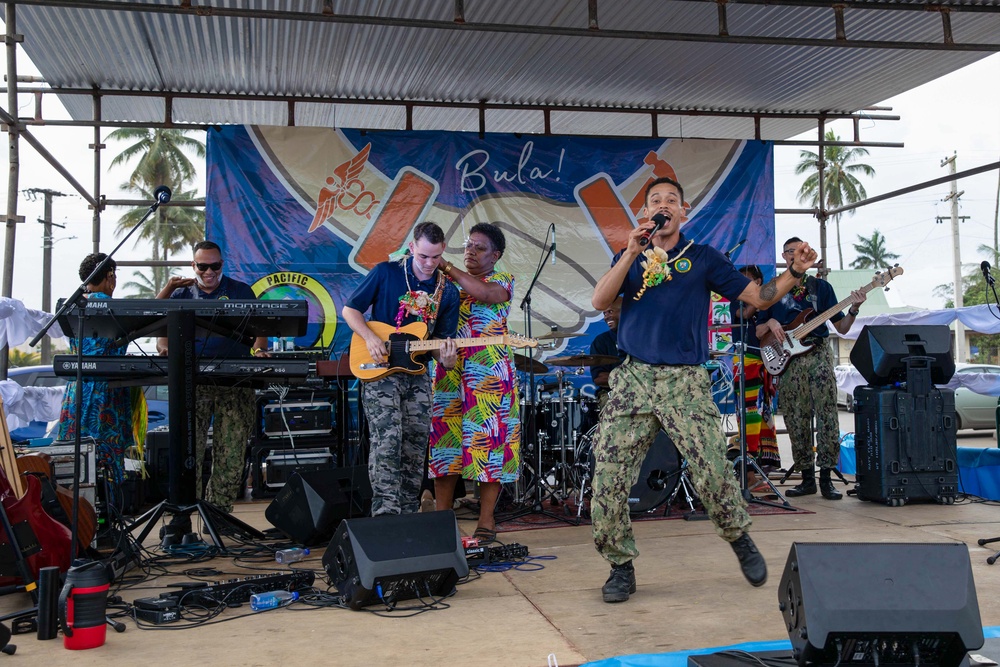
pixel 107 411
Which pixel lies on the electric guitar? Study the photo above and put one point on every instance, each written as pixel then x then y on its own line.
pixel 403 346
pixel 776 354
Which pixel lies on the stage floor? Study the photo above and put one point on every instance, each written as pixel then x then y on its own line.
pixel 690 595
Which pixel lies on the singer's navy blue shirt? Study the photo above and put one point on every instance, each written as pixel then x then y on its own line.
pixel 669 324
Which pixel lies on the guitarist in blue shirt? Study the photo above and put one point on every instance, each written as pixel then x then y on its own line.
pixel 808 384
pixel 398 405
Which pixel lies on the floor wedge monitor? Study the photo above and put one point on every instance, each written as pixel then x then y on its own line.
pixel 880 604
pixel 389 558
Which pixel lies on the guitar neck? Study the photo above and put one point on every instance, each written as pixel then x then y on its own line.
pixel 815 322
pixel 437 344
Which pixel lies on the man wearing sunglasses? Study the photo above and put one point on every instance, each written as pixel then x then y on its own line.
pixel 231 410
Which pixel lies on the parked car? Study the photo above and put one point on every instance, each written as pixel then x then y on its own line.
pixel 975 411
pixel 42 376
pixel 844 399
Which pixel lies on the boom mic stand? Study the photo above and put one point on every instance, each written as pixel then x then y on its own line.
pixel 161 196
pixel 744 460
pixel 537 483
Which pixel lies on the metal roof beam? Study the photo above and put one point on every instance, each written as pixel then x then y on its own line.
pixel 188 8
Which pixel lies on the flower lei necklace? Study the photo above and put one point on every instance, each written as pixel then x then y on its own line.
pixel 656 267
pixel 418 302
pixel 799 291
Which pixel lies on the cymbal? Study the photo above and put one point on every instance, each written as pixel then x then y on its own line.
pixel 553 335
pixel 584 360
pixel 527 364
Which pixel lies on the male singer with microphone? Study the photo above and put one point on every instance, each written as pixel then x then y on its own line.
pixel 661 384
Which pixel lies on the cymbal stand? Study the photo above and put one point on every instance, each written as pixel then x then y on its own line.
pixel 537 485
pixel 684 483
pixel 561 468
pixel 744 460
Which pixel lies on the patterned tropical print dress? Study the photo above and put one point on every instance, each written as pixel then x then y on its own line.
pixel 476 424
pixel 107 411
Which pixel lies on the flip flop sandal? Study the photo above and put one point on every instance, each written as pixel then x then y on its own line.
pixel 485 535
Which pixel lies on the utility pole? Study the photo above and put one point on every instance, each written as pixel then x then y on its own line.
pixel 47 243
pixel 960 353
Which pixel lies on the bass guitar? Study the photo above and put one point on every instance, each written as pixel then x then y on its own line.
pixel 776 354
pixel 404 345
pixel 43 541
pixel 57 500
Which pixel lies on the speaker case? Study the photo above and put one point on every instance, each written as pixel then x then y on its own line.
pixel 905 445
pixel 312 504
pixel 390 558
pixel 862 594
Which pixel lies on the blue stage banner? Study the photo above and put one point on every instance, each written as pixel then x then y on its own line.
pixel 306 212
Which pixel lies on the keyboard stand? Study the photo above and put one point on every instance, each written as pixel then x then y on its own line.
pixel 181 495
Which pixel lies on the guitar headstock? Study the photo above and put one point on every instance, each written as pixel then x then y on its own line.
pixel 519 341
pixel 883 278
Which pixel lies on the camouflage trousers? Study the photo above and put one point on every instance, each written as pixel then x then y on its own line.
pixel 234 410
pixel 643 399
pixel 808 386
pixel 398 408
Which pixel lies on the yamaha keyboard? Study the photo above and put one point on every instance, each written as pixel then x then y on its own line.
pixel 128 319
pixel 249 371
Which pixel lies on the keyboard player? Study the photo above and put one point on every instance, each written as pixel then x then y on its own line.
pixel 233 408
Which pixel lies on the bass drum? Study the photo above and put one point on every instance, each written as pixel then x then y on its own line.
pixel 658 477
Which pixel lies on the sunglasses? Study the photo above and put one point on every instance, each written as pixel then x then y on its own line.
pixel 215 266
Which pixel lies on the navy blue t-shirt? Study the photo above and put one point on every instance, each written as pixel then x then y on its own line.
pixel 669 324
pixel 605 344
pixel 819 296
pixel 218 347
pixel 384 284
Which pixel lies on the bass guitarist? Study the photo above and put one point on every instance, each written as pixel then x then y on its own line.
pixel 808 385
pixel 398 405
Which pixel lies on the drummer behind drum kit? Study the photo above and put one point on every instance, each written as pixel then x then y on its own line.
pixel 566 426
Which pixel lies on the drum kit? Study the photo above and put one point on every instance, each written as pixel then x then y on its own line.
pixel 562 425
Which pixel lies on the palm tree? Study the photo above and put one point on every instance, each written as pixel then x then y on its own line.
pixel 161 161
pixel 16 358
pixel 840 186
pixel 872 253
pixel 148 285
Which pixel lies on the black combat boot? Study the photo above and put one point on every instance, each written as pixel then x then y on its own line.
pixel 751 562
pixel 807 487
pixel 826 486
pixel 620 584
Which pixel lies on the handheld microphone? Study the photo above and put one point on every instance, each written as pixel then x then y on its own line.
pixel 162 194
pixel 985 266
pixel 729 253
pixel 553 245
pixel 660 220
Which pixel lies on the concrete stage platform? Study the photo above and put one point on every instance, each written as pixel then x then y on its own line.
pixel 690 595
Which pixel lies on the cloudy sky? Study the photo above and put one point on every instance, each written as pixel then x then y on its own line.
pixel 959 113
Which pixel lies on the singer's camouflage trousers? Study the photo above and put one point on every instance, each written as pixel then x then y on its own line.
pixel 809 385
pixel 398 408
pixel 231 412
pixel 643 400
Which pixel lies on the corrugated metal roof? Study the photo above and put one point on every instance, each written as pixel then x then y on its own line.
pixel 182 53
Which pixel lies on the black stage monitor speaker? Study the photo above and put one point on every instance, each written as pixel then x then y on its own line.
pixel 388 558
pixel 312 503
pixel 880 604
pixel 879 352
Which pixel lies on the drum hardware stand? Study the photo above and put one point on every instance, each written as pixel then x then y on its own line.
pixel 744 460
pixel 538 490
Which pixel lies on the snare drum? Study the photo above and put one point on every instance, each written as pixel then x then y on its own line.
pixel 658 477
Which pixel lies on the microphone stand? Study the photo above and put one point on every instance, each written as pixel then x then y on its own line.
pixel 744 460
pixel 536 503
pixel 79 301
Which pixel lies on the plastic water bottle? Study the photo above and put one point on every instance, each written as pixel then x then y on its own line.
pixel 290 555
pixel 272 599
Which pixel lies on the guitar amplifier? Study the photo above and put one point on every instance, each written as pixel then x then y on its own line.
pixel 277 465
pixel 304 418
pixel 62 452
